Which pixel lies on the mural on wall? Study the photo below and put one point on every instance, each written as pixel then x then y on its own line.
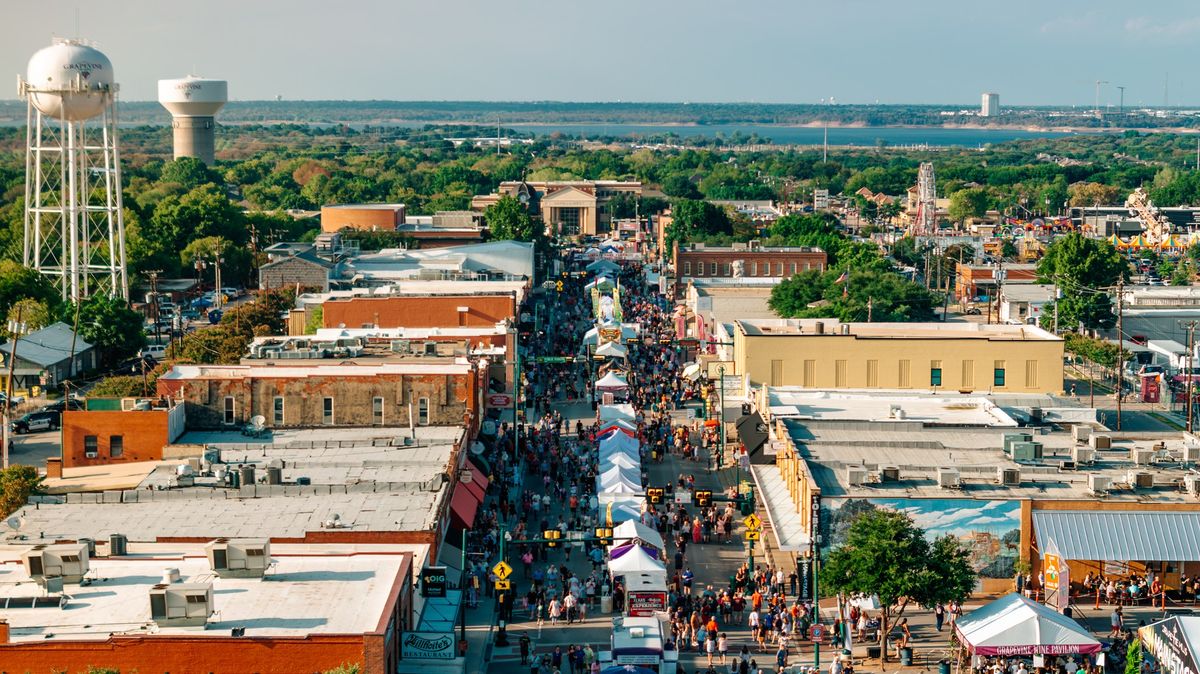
pixel 990 530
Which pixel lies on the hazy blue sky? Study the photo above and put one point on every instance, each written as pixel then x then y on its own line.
pixel 857 51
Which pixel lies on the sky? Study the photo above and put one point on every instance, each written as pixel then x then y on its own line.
pixel 1031 52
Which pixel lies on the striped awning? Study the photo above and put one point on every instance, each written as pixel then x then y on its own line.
pixel 1119 536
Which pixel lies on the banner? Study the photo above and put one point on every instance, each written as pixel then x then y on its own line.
pixel 804 569
pixel 645 604
pixel 1168 643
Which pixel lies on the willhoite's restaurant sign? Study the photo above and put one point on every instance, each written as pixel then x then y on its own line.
pixel 427 646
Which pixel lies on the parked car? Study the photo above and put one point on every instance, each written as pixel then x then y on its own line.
pixel 155 351
pixel 63 404
pixel 37 421
pixel 232 292
pixel 16 399
pixel 974 311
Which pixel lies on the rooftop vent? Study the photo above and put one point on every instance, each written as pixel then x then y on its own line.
pixel 1140 480
pixel 66 562
pixel 1083 455
pixel 949 478
pixel 181 604
pixel 1141 457
pixel 1096 441
pixel 1009 477
pixel 1191 484
pixel 1099 484
pixel 856 476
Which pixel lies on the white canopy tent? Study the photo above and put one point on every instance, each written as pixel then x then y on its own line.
pixel 617 474
pixel 636 561
pixel 623 412
pixel 633 529
pixel 690 372
pixel 612 350
pixel 618 441
pixel 612 380
pixel 619 459
pixel 618 509
pixel 628 331
pixel 1015 625
pixel 616 426
pixel 601 282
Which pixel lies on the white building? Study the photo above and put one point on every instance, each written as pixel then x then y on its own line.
pixel 990 106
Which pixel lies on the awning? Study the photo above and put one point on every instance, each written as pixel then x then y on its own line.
pixel 1014 625
pixel 1140 536
pixel 463 506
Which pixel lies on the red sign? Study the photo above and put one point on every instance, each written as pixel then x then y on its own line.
pixel 500 400
pixel 818 631
pixel 645 604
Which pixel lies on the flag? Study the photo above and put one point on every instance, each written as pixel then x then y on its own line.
pixel 843 278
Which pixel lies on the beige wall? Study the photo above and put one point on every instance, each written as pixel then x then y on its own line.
pixel 847 361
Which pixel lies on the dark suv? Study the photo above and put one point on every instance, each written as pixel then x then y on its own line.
pixel 37 421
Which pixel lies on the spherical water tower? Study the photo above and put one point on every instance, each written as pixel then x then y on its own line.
pixel 193 103
pixel 74 231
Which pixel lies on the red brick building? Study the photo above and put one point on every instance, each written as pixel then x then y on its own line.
pixel 419 311
pixel 113 431
pixel 370 217
pixel 743 261
pixel 977 280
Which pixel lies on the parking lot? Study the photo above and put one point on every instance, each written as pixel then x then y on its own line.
pixel 34 448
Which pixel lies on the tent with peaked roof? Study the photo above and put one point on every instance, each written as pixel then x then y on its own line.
pixel 617 412
pixel 603 266
pixel 1015 625
pixel 618 441
pixel 612 350
pixel 635 560
pixel 1117 242
pixel 612 380
pixel 1139 241
pixel 634 530
pixel 621 509
pixel 619 460
pixel 616 426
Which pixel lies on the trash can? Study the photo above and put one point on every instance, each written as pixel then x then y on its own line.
pixel 872 652
pixel 943 667
pixel 906 656
pixel 606 603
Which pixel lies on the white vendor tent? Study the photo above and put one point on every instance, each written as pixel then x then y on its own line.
pixel 623 412
pixel 618 442
pixel 622 509
pixel 612 381
pixel 612 350
pixel 592 336
pixel 628 531
pixel 601 282
pixel 614 426
pixel 635 560
pixel 619 460
pixel 618 475
pixel 601 266
pixel 1014 625
pixel 690 372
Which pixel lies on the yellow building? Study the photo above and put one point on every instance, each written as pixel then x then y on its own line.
pixel 826 354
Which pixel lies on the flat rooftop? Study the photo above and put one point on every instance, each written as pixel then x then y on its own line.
pixel 791 327
pixel 810 404
pixel 311 589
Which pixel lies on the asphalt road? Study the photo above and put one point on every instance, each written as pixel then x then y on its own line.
pixel 33 449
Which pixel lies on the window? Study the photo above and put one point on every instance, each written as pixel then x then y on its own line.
pixel 968 374
pixel 793 269
pixel 116 446
pixel 377 411
pixel 765 267
pixel 687 268
pixel 779 269
pixel 278 410
pixel 712 269
pixel 90 445
pixel 1031 374
pixel 327 411
pixel 903 375
pixel 229 416
pixel 777 373
pixel 998 373
pixel 872 374
pixel 254 552
pixel 725 269
pixel 810 373
pixel 752 268
pixel 423 411
pixel 70 558
pixel 839 373
pixel 935 373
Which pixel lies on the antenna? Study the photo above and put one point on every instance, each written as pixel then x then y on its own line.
pixel 1121 109
pixel 1098 83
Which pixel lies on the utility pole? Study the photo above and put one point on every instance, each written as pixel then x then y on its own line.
pixel 16 329
pixel 871 306
pixel 1098 83
pixel 1120 348
pixel 1121 108
pixel 721 412
pixel 1191 347
pixel 153 274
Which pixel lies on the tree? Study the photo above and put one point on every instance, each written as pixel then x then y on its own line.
pixel 972 202
pixel 1092 194
pixel 18 282
pixel 869 294
pixel 695 220
pixel 188 172
pixel 111 326
pixel 17 484
pixel 885 554
pixel 32 312
pixel 1084 268
pixel 508 220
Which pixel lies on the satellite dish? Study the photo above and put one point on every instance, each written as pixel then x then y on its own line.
pixel 14 523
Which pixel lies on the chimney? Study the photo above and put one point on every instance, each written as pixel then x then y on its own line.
pixel 4 633
pixel 820 328
pixel 54 467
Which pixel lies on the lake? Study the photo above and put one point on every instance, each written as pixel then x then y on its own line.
pixel 792 135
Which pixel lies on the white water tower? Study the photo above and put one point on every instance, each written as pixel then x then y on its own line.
pixel 193 103
pixel 74 231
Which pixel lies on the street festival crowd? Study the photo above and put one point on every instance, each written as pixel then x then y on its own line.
pixel 548 481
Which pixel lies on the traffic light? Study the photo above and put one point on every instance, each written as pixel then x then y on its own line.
pixel 746 504
pixel 604 534
pixel 654 495
pixel 702 498
pixel 552 536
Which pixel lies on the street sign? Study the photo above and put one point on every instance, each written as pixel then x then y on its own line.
pixel 433 581
pixel 818 631
pixel 752 522
pixel 504 585
pixel 500 400
pixel 752 535
pixel 502 570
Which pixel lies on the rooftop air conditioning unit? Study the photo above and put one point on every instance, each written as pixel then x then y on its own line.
pixel 430 348
pixel 856 476
pixel 1141 457
pixel 244 558
pixel 1009 477
pixel 1083 455
pixel 68 562
pixel 1026 451
pixel 889 474
pixel 1140 480
pixel 1099 484
pixel 1190 454
pixel 1081 433
pixel 401 346
pixel 949 478
pixel 1011 439
pixel 181 604
pixel 1100 441
pixel 1191 484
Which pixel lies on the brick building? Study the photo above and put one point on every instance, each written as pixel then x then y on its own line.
pixel 305 269
pixel 312 395
pixel 370 217
pixel 420 311
pixel 743 261
pixel 116 431
pixel 978 280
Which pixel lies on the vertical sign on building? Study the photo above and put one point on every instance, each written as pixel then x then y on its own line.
pixel 804 568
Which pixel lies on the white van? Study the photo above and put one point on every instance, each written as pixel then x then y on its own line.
pixel 155 351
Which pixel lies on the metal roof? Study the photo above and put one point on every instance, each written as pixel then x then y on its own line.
pixel 1142 536
pixel 49 346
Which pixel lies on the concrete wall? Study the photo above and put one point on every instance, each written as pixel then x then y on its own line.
pixel 451 398
pixel 845 361
pixel 418 311
pixel 143 433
